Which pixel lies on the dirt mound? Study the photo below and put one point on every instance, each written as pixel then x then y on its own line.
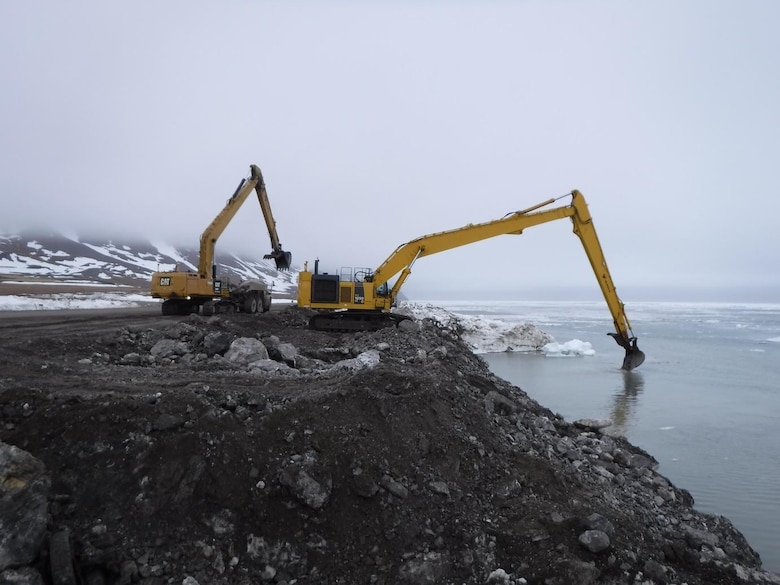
pixel 249 449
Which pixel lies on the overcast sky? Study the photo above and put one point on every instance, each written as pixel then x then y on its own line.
pixel 377 122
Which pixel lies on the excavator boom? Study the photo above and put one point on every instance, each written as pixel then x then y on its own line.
pixel 183 291
pixel 210 235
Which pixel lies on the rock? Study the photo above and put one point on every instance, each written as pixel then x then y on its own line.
pixel 364 487
pixel 495 402
pixel 638 461
pixel 498 577
pixel 439 487
pixel 168 348
pixel 304 487
pixel 424 570
pixel 408 326
pixel 366 359
pixel 281 351
pixel 217 342
pixel 128 571
pixel 595 541
pixel 598 522
pixel 272 366
pixel 574 572
pixel 593 424
pixel 656 571
pixel 394 487
pixel 167 422
pixel 21 576
pixel 24 493
pixel 695 537
pixel 131 359
pixel 246 350
pixel 288 353
pixel 268 573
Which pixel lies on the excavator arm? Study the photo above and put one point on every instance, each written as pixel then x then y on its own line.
pixel 403 258
pixel 283 259
pixel 212 233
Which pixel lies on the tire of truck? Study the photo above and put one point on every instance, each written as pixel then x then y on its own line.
pixel 61 559
pixel 266 302
pixel 250 304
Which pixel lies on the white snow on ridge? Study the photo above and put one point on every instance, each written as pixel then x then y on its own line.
pixel 27 266
pixel 72 301
pixel 64 283
pixel 171 252
pixel 121 256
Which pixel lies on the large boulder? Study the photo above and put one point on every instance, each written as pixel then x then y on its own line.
pixel 24 495
pixel 168 348
pixel 245 350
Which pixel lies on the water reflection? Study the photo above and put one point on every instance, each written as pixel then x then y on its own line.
pixel 625 400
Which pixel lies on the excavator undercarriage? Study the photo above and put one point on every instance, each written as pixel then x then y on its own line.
pixel 355 320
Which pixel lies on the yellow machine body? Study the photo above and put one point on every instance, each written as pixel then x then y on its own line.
pixel 361 299
pixel 185 291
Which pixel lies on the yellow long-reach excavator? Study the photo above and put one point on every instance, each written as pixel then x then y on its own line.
pixel 186 292
pixel 361 299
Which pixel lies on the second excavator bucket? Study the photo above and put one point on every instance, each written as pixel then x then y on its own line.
pixel 635 357
pixel 283 259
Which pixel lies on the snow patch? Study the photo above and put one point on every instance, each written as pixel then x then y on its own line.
pixel 575 347
pixel 73 301
pixel 483 335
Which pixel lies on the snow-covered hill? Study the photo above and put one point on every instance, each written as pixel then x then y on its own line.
pixel 52 257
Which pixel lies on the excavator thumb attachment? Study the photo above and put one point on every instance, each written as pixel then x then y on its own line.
pixel 635 357
pixel 283 259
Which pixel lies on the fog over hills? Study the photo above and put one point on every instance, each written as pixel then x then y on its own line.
pixel 92 261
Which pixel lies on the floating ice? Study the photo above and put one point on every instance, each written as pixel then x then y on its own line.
pixel 575 347
pixel 481 334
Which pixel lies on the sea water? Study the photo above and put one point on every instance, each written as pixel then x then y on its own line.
pixel 705 404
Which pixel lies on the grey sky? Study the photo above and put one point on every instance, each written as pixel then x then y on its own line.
pixel 377 122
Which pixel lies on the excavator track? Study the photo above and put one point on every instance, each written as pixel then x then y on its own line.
pixel 352 320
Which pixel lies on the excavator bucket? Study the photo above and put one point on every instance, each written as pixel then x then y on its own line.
pixel 635 357
pixel 283 259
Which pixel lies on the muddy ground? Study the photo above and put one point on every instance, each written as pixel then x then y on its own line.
pixel 179 452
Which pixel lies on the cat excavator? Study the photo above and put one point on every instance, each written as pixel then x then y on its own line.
pixel 185 292
pixel 361 299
